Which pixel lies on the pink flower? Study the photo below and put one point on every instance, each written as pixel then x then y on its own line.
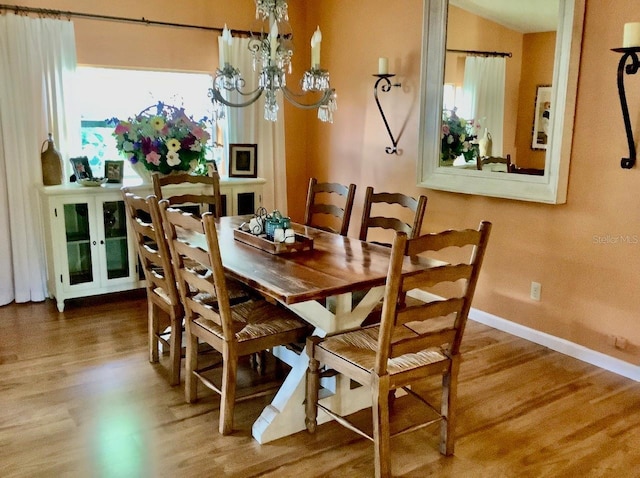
pixel 122 128
pixel 153 158
pixel 198 132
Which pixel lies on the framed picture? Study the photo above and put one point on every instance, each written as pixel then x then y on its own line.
pixel 81 167
pixel 243 162
pixel 541 117
pixel 113 171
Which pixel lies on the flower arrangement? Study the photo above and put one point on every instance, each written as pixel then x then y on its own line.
pixel 457 137
pixel 162 138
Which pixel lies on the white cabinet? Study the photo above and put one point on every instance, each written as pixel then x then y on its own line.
pixel 89 249
pixel 240 196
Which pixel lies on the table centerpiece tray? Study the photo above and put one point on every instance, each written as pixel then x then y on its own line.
pixel 302 242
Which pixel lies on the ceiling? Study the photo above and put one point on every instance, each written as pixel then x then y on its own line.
pixel 525 16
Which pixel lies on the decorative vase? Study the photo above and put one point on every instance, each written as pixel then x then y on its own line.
pixel 141 171
pixel 51 163
pixel 485 144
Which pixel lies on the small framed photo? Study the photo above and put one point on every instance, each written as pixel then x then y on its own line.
pixel 81 167
pixel 243 162
pixel 113 171
pixel 541 118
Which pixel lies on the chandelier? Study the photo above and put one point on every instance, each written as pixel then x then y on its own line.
pixel 271 55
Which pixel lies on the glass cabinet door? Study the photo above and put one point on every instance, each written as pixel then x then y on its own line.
pixel 78 242
pixel 115 237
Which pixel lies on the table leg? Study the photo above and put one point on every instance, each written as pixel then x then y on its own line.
pixel 285 415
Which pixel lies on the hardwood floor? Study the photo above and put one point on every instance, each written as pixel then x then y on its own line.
pixel 79 398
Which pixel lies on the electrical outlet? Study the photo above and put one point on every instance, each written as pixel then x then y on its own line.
pixel 535 290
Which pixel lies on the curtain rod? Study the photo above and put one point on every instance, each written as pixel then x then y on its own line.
pixel 60 13
pixel 482 53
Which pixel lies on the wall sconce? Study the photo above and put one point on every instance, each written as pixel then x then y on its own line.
pixel 383 77
pixel 630 49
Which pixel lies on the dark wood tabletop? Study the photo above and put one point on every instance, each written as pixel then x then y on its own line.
pixel 335 265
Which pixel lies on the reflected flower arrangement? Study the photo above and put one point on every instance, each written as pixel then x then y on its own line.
pixel 457 137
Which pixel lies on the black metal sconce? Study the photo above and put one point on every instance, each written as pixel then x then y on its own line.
pixel 386 87
pixel 631 54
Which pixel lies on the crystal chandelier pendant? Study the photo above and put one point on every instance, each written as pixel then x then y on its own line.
pixel 278 7
pixel 270 106
pixel 315 80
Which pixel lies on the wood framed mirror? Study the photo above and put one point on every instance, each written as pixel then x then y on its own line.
pixel 549 187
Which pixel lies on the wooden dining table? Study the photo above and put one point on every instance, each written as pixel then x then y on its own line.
pixel 317 284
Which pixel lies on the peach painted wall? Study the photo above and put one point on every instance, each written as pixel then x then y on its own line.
pixel 466 31
pixel 590 278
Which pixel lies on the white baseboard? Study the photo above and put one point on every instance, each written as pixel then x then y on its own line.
pixel 563 346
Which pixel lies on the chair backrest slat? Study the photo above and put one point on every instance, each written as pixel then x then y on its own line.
pixel 410 327
pixel 372 219
pixel 431 310
pixel 341 212
pixel 436 339
pixel 436 275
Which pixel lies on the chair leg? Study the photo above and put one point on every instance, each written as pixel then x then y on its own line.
pixel 175 351
pixel 312 390
pixel 258 362
pixel 153 331
pixel 227 401
pixel 448 412
pixel 381 428
pixel 191 364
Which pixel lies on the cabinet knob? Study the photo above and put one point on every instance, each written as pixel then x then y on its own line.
pixel 94 243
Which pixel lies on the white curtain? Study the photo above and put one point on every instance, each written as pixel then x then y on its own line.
pixel 483 86
pixel 37 61
pixel 247 125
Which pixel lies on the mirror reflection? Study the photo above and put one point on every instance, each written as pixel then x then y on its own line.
pixel 535 132
pixel 498 73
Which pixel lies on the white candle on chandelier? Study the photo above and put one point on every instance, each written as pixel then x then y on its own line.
pixel 315 48
pixel 227 41
pixel 273 40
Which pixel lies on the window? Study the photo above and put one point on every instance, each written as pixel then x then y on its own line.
pixel 106 93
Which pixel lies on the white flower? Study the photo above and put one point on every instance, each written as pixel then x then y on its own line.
pixel 196 146
pixel 173 158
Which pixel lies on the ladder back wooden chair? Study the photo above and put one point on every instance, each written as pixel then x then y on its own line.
pixel 411 343
pixel 162 293
pixel 340 215
pixel 403 204
pixel 488 160
pixel 208 198
pixel 234 330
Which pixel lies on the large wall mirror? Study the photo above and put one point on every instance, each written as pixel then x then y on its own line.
pixel 529 117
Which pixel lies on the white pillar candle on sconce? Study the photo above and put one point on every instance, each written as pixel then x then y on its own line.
pixel 631 36
pixel 383 66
